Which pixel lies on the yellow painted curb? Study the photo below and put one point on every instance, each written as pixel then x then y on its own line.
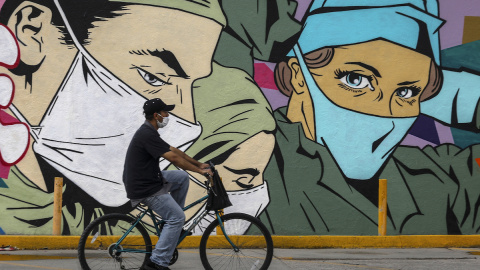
pixel 403 241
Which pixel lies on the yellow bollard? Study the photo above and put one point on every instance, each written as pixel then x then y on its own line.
pixel 382 207
pixel 57 206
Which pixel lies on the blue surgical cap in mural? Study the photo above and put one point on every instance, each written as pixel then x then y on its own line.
pixel 410 23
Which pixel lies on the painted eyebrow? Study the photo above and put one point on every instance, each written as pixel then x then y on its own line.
pixel 372 69
pixel 168 58
pixel 250 171
pixel 407 83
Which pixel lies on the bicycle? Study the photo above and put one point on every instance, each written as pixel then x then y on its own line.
pixel 223 244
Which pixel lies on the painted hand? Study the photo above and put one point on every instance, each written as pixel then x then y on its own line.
pixel 14 136
pixel 244 168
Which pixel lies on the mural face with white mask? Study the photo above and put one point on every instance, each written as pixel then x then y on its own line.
pixel 120 74
pixel 77 152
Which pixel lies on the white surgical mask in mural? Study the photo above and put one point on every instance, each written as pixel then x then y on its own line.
pixel 252 202
pixel 360 143
pixel 80 135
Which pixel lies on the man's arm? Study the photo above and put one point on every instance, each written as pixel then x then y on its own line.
pixel 188 158
pixel 183 161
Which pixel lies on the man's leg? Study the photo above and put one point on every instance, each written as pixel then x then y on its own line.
pixel 173 215
pixel 179 185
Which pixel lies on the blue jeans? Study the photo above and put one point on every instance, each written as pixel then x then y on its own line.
pixel 169 207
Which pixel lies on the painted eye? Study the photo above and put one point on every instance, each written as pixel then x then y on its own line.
pixel 150 78
pixel 356 81
pixel 406 93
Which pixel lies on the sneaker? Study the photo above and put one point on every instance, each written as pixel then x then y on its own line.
pixel 153 266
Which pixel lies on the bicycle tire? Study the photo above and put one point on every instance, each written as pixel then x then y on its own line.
pixel 103 233
pixel 255 251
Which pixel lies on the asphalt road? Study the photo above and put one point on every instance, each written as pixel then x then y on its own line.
pixel 329 259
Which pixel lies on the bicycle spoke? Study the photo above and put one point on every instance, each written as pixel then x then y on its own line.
pixel 98 244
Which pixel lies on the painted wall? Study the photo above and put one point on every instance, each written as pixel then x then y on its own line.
pixel 382 91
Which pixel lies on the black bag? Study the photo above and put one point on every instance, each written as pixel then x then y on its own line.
pixel 218 198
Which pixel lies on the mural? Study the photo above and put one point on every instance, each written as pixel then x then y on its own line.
pixel 303 105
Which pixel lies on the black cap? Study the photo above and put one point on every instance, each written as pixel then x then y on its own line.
pixel 156 105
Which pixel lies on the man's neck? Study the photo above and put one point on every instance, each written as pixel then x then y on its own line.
pixel 153 122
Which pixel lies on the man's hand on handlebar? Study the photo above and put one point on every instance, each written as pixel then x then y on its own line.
pixel 204 166
pixel 207 172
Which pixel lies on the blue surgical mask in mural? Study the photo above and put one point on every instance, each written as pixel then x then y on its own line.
pixel 360 143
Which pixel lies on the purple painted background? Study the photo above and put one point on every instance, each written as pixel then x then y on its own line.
pixel 454 11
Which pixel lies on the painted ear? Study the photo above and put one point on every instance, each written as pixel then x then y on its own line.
pixel 298 81
pixel 30 22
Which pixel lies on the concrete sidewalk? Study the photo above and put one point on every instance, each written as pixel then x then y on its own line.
pixel 333 259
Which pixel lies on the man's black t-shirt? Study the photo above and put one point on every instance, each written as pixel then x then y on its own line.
pixel 141 173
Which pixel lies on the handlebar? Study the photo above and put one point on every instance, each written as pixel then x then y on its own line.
pixel 209 181
pixel 212 168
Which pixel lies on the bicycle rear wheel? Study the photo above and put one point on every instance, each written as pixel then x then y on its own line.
pixel 254 250
pixel 96 249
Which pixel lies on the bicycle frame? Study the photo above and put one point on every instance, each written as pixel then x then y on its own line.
pixel 157 225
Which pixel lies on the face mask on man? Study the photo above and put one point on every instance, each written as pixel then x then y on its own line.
pixel 359 143
pixel 164 123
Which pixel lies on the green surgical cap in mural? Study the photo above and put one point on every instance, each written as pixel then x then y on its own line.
pixel 209 9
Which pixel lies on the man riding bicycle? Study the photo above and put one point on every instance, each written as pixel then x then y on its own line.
pixel 164 192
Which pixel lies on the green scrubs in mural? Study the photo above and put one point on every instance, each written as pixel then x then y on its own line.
pixel 461 58
pixel 27 208
pixel 263 30
pixel 430 191
pixel 230 111
pixel 256 29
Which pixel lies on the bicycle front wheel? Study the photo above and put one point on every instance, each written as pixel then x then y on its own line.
pixel 98 247
pixel 250 246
